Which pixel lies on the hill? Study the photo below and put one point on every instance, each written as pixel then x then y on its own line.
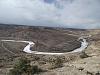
pixel 46 39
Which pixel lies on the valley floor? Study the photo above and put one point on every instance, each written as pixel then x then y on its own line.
pixel 74 66
pixel 54 40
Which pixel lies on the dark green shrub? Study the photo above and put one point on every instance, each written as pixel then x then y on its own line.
pixel 22 66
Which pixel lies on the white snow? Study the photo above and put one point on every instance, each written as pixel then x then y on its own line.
pixel 84 45
pixel 27 49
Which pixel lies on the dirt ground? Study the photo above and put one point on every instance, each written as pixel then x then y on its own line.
pixel 73 64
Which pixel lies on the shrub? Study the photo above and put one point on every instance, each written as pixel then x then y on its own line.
pixel 56 63
pixel 22 66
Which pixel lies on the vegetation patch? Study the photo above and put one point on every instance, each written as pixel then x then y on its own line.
pixel 23 67
pixel 56 63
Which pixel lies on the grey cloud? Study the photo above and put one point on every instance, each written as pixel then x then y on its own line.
pixel 65 13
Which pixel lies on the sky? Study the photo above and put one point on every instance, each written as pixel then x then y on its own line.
pixel 60 13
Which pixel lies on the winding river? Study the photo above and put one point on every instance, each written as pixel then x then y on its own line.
pixel 27 49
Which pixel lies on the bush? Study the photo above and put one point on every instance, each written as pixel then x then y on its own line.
pixel 22 66
pixel 56 63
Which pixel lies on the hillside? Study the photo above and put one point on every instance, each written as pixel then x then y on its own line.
pixel 48 39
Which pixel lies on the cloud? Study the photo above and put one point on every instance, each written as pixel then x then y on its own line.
pixel 65 13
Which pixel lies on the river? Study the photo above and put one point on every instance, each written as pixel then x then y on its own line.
pixel 27 49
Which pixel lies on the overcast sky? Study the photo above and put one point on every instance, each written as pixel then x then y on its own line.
pixel 62 13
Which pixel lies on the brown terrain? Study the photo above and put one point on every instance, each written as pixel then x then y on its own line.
pixel 48 39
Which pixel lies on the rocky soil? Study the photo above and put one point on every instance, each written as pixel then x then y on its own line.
pixel 52 40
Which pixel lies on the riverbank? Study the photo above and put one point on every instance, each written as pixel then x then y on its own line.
pixel 27 49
